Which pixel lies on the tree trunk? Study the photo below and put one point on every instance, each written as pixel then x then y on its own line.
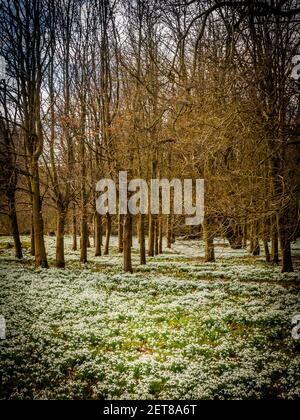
pixel 15 226
pixel 267 252
pixel 285 245
pixel 39 243
pixel 138 233
pixel 151 235
pixel 88 241
pixel 173 232
pixel 256 247
pixel 209 241
pixel 60 255
pixel 169 232
pixel 282 215
pixel 275 248
pixel 160 236
pixel 255 240
pixel 32 250
pixel 252 238
pixel 142 239
pixel 266 241
pixel 121 233
pixel 74 228
pixel 127 244
pixel 98 234
pixel 245 233
pixel 156 236
pixel 84 236
pixel 108 231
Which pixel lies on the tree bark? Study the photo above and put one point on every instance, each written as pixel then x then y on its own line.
pixel 173 232
pixel 275 248
pixel 245 233
pixel 285 244
pixel 84 203
pixel 98 234
pixel 169 232
pixel 209 241
pixel 39 243
pixel 121 233
pixel 108 232
pixel 156 236
pixel 282 216
pixel 267 252
pixel 32 250
pixel 83 238
pixel 160 236
pixel 266 241
pixel 88 241
pixel 60 254
pixel 142 239
pixel 14 225
pixel 127 265
pixel 74 228
pixel 151 236
pixel 255 240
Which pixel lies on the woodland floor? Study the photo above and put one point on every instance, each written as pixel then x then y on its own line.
pixel 175 329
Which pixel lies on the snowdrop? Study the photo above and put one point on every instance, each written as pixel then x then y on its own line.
pixel 177 329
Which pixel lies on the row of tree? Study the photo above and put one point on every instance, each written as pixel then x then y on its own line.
pixel 162 89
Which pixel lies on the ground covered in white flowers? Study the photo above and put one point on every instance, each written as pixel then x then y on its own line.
pixel 175 329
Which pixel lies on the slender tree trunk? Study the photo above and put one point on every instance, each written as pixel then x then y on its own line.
pixel 127 244
pixel 84 216
pixel 275 248
pixel 60 255
pixel 74 228
pixel 252 244
pixel 101 236
pixel 14 225
pixel 83 174
pixel 121 233
pixel 245 233
pixel 282 215
pixel 156 236
pixel 267 251
pixel 285 244
pixel 256 247
pixel 239 237
pixel 84 237
pixel 209 241
pixel 266 241
pixel 40 250
pixel 98 234
pixel 255 239
pixel 142 239
pixel 94 230
pixel 108 232
pixel 32 250
pixel 173 231
pixel 88 241
pixel 138 233
pixel 160 236
pixel 151 235
pixel 169 231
